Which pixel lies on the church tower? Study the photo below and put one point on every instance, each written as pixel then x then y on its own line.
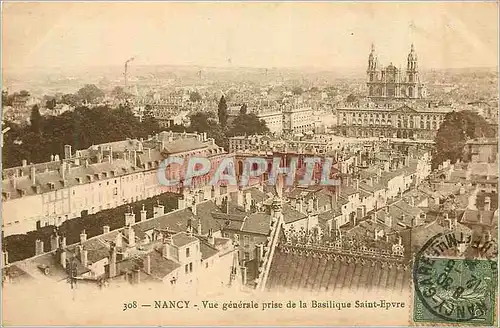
pixel 412 77
pixel 372 71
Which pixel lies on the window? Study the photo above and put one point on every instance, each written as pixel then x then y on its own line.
pixel 187 252
pixel 191 267
pixel 186 268
pixel 247 256
pixel 245 240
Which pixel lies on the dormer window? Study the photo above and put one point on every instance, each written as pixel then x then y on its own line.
pixel 52 185
pixel 79 180
pixel 90 177
pixel 22 192
pixel 96 176
pixel 104 175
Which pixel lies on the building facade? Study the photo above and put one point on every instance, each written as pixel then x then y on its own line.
pixel 390 82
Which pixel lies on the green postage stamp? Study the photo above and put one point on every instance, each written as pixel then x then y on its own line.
pixel 455 280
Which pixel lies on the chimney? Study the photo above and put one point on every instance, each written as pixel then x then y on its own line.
pixel 83 237
pixel 181 203
pixel 412 201
pixel 83 256
pixel 198 230
pixel 62 258
pixel 63 242
pixel 144 213
pixel 130 233
pixel 211 238
pixel 38 247
pixel 194 208
pixel 403 218
pixel 54 242
pixel 67 151
pixel 24 163
pixel 147 264
pixel 158 210
pixel 129 217
pixel 105 229
pixel 62 170
pixel 240 198
pixel 487 204
pixel 5 258
pixel 33 175
pixel 112 262
pixel 248 201
pixel 310 205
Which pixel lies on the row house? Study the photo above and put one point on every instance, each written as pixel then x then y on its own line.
pixel 99 178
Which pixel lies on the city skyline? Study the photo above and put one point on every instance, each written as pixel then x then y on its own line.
pixel 281 35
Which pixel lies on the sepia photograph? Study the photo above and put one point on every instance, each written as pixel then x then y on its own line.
pixel 236 163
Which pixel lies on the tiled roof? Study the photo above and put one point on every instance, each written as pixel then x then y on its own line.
pixel 258 223
pixel 160 266
pixel 319 274
pixel 291 215
pixel 475 217
pixel 181 239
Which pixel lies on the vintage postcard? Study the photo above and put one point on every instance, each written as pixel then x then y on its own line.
pixel 249 163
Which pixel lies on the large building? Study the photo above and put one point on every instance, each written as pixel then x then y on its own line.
pixel 395 106
pixel 101 177
pixel 391 82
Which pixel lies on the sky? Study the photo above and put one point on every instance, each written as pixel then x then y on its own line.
pixel 321 35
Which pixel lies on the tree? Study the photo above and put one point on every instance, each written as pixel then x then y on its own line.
pixel 243 109
pixel 71 100
pixel 195 96
pixel 297 91
pixel 247 124
pixel 223 115
pixel 456 129
pixel 90 93
pixel 51 103
pixel 351 98
pixel 36 120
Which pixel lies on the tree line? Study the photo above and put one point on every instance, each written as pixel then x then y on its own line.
pixel 81 128
pixel 219 127
pixel 456 129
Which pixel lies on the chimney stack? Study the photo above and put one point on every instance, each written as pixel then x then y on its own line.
pixel 54 242
pixel 62 258
pixel 199 228
pixel 129 217
pixel 63 242
pixel 248 201
pixel 240 198
pixel 487 203
pixel 33 175
pixel 158 210
pixel 24 163
pixel 112 262
pixel 83 256
pixel 147 264
pixel 83 237
pixel 105 229
pixel 144 213
pixel 38 247
pixel 211 238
